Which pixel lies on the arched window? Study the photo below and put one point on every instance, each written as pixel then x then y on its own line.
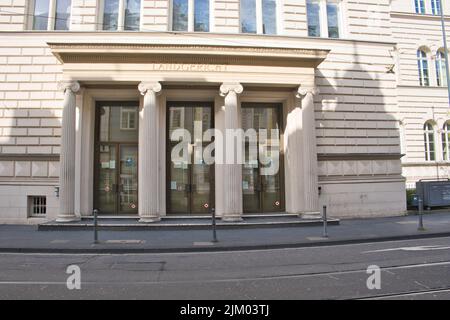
pixel 441 73
pixel 420 6
pixel 428 133
pixel 446 141
pixel 436 7
pixel 422 63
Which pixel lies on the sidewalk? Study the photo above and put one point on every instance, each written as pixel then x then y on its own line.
pixel 15 238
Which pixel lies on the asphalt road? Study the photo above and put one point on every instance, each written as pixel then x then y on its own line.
pixel 414 269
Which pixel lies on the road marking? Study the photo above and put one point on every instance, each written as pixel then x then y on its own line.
pixel 422 285
pixel 419 248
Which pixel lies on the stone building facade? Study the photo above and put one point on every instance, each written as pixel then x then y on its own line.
pixel 92 92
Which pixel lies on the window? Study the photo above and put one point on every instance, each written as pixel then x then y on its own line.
pixel 189 19
pixel 441 71
pixel 333 19
pixel 201 15
pixel 422 64
pixel 324 18
pixel 248 16
pixel 41 15
pixel 128 118
pixel 313 14
pixel 269 15
pixel 37 206
pixel 132 14
pixel 258 16
pixel 428 130
pixel 436 7
pixel 446 141
pixel 122 15
pixel 51 14
pixel 420 6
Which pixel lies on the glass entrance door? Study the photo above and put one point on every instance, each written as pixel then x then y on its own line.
pixel 189 179
pixel 116 158
pixel 262 173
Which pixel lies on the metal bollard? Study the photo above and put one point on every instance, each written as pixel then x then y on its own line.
pixel 213 211
pixel 95 226
pixel 325 231
pixel 420 202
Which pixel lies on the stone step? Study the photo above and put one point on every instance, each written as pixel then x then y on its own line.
pixel 127 224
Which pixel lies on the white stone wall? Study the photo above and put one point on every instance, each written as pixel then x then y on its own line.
pixel 359 110
pixel 418 104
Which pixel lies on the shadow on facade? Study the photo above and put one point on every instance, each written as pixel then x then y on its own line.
pixel 358 135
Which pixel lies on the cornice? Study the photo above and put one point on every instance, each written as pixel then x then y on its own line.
pixel 418 16
pixel 180 53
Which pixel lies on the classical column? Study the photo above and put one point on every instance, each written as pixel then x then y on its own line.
pixel 294 159
pixel 310 171
pixel 67 153
pixel 232 201
pixel 148 191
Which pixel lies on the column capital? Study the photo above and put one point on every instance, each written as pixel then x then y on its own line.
pixel 73 86
pixel 303 91
pixel 227 87
pixel 145 86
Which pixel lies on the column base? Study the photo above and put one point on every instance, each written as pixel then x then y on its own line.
pixel 234 218
pixel 149 219
pixel 311 215
pixel 67 218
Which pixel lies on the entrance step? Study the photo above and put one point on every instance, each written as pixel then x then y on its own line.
pixel 180 223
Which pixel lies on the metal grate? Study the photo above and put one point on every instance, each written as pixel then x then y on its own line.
pixel 37 206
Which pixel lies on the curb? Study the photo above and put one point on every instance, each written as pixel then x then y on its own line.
pixel 184 226
pixel 116 250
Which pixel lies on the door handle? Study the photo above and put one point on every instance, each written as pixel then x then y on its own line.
pixel 187 187
pixel 114 188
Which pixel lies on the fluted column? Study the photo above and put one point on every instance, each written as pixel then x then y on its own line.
pixel 310 171
pixel 67 153
pixel 232 171
pixel 294 159
pixel 148 191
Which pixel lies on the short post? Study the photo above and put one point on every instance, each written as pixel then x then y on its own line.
pixel 420 203
pixel 95 226
pixel 213 212
pixel 325 231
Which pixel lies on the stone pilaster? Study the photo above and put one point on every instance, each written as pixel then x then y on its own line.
pixel 310 166
pixel 67 153
pixel 148 192
pixel 232 210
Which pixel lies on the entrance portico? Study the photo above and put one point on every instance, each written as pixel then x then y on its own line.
pixel 227 77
